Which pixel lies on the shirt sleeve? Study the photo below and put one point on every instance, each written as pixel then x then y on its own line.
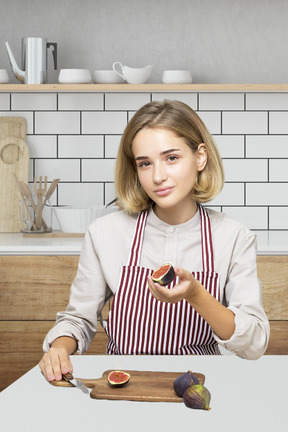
pixel 88 295
pixel 243 296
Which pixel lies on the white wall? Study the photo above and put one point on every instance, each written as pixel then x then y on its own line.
pixel 220 41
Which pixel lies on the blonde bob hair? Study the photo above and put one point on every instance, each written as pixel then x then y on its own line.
pixel 185 123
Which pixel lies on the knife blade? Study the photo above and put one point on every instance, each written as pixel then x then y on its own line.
pixel 76 382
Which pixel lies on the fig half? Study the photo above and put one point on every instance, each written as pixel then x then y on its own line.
pixel 164 275
pixel 118 378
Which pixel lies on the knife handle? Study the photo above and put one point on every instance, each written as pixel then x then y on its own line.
pixel 67 377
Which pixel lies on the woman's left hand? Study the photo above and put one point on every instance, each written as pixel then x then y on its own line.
pixel 185 289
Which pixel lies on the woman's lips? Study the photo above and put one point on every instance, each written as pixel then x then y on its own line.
pixel 163 191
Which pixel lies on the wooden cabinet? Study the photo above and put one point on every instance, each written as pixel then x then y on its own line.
pixel 34 288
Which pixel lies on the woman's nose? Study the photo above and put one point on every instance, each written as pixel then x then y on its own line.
pixel 159 174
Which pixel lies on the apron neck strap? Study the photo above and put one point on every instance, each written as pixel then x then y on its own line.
pixel 206 239
pixel 135 250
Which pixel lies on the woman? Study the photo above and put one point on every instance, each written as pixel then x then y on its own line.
pixel 167 166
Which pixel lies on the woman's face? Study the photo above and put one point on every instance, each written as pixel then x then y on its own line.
pixel 167 170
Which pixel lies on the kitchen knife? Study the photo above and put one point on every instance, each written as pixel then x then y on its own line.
pixel 76 382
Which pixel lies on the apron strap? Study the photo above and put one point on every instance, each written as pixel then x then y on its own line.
pixel 206 239
pixel 135 250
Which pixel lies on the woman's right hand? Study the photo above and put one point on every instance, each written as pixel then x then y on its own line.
pixel 56 361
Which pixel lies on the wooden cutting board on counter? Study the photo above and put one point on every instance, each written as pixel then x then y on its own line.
pixel 14 159
pixel 145 386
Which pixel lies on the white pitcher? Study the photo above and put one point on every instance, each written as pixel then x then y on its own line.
pixel 133 75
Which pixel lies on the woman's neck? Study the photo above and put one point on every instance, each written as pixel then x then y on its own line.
pixel 176 215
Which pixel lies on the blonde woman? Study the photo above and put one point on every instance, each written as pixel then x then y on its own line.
pixel 167 165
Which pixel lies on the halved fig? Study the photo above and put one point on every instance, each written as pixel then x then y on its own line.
pixel 164 275
pixel 118 378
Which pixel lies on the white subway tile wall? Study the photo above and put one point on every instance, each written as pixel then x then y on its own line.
pixel 75 137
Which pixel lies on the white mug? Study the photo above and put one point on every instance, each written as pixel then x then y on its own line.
pixel 133 75
pixel 176 77
pixel 4 77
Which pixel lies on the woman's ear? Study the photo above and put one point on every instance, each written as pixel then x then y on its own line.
pixel 201 157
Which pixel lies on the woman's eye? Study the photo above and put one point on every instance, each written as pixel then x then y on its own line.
pixel 144 164
pixel 172 158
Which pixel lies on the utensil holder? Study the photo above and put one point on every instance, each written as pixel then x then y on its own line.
pixel 27 215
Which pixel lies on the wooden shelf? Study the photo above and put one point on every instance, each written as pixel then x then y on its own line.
pixel 141 87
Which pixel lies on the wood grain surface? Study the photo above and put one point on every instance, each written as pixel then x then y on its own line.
pixel 14 159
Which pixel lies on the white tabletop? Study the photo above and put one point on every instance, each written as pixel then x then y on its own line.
pixel 245 396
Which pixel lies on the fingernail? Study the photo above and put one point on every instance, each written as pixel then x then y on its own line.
pixel 58 377
pixel 51 378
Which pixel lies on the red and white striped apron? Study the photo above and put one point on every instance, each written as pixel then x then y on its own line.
pixel 140 324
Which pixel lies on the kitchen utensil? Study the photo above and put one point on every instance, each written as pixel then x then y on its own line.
pixel 74 76
pixel 76 382
pixel 39 191
pixel 27 194
pixel 133 75
pixel 107 77
pixel 146 386
pixel 4 77
pixel 34 60
pixel 19 185
pixel 50 191
pixel 14 159
pixel 176 77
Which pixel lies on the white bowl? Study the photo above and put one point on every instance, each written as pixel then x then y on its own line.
pixel 176 77
pixel 107 77
pixel 4 77
pixel 78 220
pixel 74 76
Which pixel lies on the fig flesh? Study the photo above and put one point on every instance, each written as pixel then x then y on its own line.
pixel 184 381
pixel 197 397
pixel 118 378
pixel 164 275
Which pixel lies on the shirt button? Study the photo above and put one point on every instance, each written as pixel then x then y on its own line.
pixel 171 229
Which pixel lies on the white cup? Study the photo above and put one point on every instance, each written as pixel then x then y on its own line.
pixel 4 77
pixel 176 77
pixel 133 75
pixel 106 77
pixel 74 76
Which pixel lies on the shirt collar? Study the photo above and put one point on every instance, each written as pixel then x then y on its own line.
pixel 163 226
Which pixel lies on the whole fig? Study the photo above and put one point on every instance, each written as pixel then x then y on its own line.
pixel 184 381
pixel 198 397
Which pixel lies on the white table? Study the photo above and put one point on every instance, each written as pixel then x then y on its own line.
pixel 246 396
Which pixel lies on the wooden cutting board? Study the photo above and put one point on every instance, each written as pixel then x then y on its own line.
pixel 14 159
pixel 145 386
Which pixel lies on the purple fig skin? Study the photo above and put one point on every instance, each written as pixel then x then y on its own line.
pixel 183 382
pixel 167 278
pixel 197 397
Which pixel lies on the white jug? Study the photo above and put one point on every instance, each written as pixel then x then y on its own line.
pixel 133 75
